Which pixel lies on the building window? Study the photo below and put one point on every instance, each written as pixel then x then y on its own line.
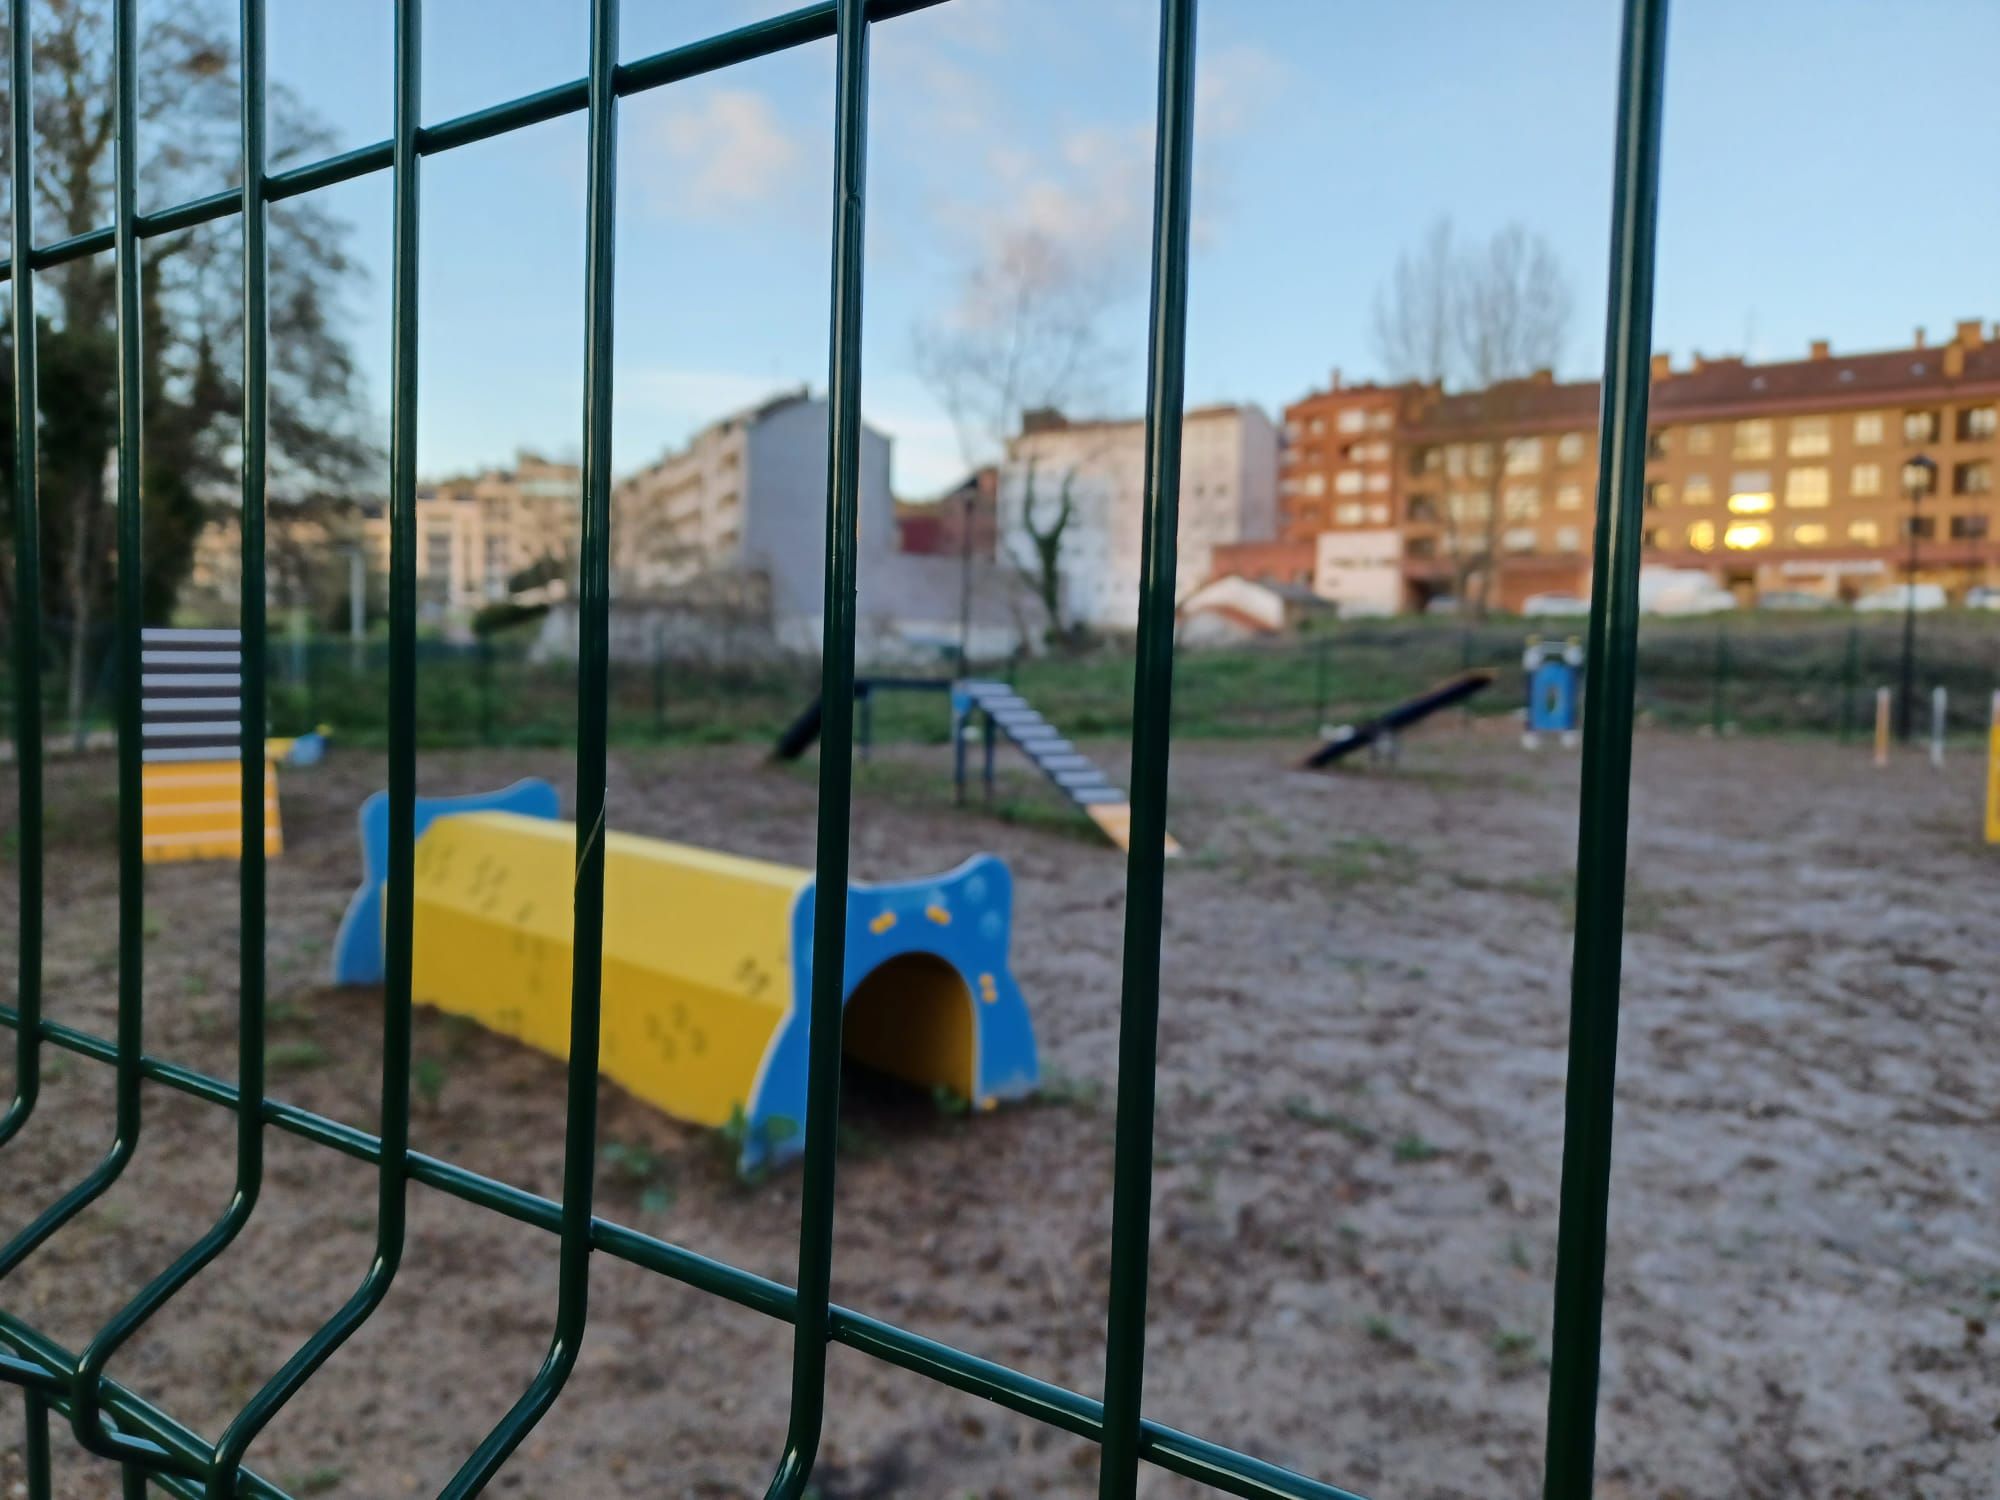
pixel 1349 482
pixel 1868 428
pixel 1812 437
pixel 1349 513
pixel 1659 495
pixel 1568 539
pixel 1378 483
pixel 1524 456
pixel 1921 527
pixel 1293 429
pixel 1968 528
pixel 1701 536
pixel 1524 502
pixel 1750 492
pixel 1654 538
pixel 1809 534
pixel 1699 440
pixel 1695 490
pixel 1974 478
pixel 1807 487
pixel 1569 448
pixel 1744 536
pixel 1975 424
pixel 1865 479
pixel 1920 426
pixel 1753 438
pixel 1423 509
pixel 1378 515
pixel 1868 533
pixel 1480 462
pixel 1519 539
pixel 1656 444
pixel 1454 460
pixel 1569 497
pixel 1475 506
pixel 1382 421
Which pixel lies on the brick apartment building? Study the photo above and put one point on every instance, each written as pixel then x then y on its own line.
pixel 1781 476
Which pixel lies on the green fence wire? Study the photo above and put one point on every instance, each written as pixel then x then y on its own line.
pixel 149 1445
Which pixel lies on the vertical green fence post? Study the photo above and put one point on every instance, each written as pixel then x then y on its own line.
pixel 1719 683
pixel 35 1438
pixel 86 1415
pixel 811 1329
pixel 1320 649
pixel 593 728
pixel 1607 763
pixel 659 680
pixel 1152 716
pixel 28 730
pixel 392 1175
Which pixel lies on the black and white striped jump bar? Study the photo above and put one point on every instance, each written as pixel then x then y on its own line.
pixel 191 694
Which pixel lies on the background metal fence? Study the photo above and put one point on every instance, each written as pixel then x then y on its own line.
pixel 149 1446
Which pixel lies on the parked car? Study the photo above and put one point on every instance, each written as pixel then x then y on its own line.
pixel 1708 601
pixel 1443 604
pixel 1902 596
pixel 1794 599
pixel 1554 604
pixel 1980 596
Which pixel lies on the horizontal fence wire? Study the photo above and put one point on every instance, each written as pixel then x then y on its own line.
pixel 148 1443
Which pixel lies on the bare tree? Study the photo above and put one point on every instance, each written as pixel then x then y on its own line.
pixel 1478 324
pixel 1025 335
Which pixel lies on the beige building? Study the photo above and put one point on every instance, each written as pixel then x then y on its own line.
pixel 1229 478
pixel 487 537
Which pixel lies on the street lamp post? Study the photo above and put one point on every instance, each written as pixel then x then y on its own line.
pixel 1919 479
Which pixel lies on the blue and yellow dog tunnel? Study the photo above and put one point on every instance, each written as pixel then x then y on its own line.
pixel 707 962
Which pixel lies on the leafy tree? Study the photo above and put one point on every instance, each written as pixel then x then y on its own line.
pixel 191 314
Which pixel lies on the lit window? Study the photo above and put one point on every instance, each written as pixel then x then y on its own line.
pixel 1750 492
pixel 1569 497
pixel 1744 535
pixel 1454 460
pixel 1569 448
pixel 1348 482
pixel 1524 456
pixel 1378 514
pixel 1378 483
pixel 1568 539
pixel 1700 440
pixel 1866 479
pixel 1519 539
pixel 1351 420
pixel 1695 490
pixel 1868 427
pixel 1473 507
pixel 1753 439
pixel 1701 536
pixel 1314 484
pixel 1659 495
pixel 1812 437
pixel 1807 487
pixel 1974 478
pixel 1809 534
pixel 1348 513
pixel 1866 532
pixel 1920 426
pixel 1524 502
pixel 1480 461
pixel 1976 423
pixel 1382 421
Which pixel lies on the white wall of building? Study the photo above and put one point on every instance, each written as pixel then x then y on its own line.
pixel 1360 572
pixel 1229 489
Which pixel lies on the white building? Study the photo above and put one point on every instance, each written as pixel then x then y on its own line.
pixel 1229 493
pixel 1360 572
pixel 737 520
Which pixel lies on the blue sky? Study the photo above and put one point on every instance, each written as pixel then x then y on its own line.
pixel 1828 173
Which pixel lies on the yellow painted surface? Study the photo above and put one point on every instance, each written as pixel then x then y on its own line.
pixel 193 810
pixel 1993 775
pixel 1115 818
pixel 697 972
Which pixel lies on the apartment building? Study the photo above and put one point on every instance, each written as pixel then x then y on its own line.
pixel 1785 475
pixel 1229 461
pixel 482 538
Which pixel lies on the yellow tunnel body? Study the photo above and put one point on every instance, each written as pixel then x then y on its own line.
pixel 697 961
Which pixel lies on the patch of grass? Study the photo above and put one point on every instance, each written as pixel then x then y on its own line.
pixel 733 1134
pixel 294 1057
pixel 949 1101
pixel 1517 1254
pixel 152 924
pixel 1066 1092
pixel 633 1163
pixel 1298 1107
pixel 1382 1331
pixel 427 1078
pixel 316 1481
pixel 1414 1148
pixel 1511 1343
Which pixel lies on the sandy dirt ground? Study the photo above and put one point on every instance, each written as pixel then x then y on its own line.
pixel 1360 1112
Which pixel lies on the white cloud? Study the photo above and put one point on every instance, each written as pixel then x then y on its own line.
pixel 1232 88
pixel 726 152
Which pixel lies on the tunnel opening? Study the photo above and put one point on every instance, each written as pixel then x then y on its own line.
pixel 908 1043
